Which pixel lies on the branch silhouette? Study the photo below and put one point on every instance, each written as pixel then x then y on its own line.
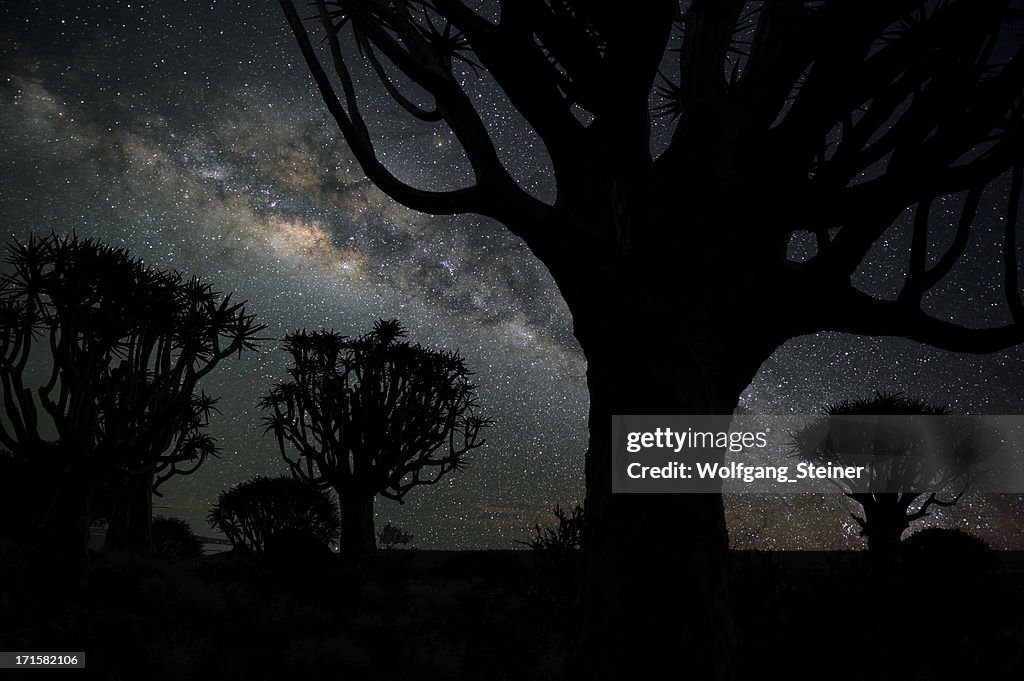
pixel 371 415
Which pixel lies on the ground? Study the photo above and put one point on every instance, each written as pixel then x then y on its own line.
pixel 408 614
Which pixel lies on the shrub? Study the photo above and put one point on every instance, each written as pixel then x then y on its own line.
pixel 943 544
pixel 566 536
pixel 558 564
pixel 390 536
pixel 253 511
pixel 173 540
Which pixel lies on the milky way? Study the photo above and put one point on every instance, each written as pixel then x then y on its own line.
pixel 193 136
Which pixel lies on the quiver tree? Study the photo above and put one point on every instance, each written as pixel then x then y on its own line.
pixel 100 357
pixel 133 486
pixel 673 244
pixel 371 415
pixel 912 464
pixel 557 558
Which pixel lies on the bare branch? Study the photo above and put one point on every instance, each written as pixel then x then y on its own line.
pixel 956 249
pixel 913 287
pixel 470 200
pixel 530 81
pixel 857 312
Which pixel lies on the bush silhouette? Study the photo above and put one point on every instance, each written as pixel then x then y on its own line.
pixel 559 559
pixel 945 545
pixel 173 540
pixel 566 536
pixel 391 536
pixel 252 512
pixel 941 557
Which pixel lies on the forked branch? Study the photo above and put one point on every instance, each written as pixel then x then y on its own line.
pixel 383 29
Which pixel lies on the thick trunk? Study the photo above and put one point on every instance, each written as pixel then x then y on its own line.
pixel 131 518
pixel 357 531
pixel 885 521
pixel 65 537
pixel 655 590
pixel 675 305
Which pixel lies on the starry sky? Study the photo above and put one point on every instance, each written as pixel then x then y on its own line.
pixel 191 134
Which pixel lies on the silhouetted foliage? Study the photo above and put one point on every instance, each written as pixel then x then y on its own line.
pixel 912 464
pixel 252 512
pixel 786 141
pixel 106 353
pixel 567 535
pixel 174 540
pixel 371 415
pixel 953 563
pixel 943 543
pixel 558 560
pixel 390 536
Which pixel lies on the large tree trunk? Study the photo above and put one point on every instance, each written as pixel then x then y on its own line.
pixel 885 521
pixel 357 530
pixel 655 591
pixel 65 537
pixel 131 517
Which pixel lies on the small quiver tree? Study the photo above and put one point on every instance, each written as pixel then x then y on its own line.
pixel 558 558
pixel 371 415
pixel 917 455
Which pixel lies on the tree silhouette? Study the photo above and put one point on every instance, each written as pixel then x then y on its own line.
pixel 174 540
pixel 373 415
pixel 671 232
pixel 558 559
pixel 133 488
pixel 251 513
pixel 913 464
pixel 115 350
pixel 948 555
pixel 566 536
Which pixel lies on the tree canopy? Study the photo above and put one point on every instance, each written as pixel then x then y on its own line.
pixel 372 415
pixel 100 359
pixel 917 454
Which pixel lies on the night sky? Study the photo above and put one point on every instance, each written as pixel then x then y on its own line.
pixel 191 134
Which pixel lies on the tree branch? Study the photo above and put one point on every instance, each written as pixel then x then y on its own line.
pixel 525 74
pixel 857 312
pixel 435 203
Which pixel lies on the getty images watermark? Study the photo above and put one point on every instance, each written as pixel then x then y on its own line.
pixel 817 454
